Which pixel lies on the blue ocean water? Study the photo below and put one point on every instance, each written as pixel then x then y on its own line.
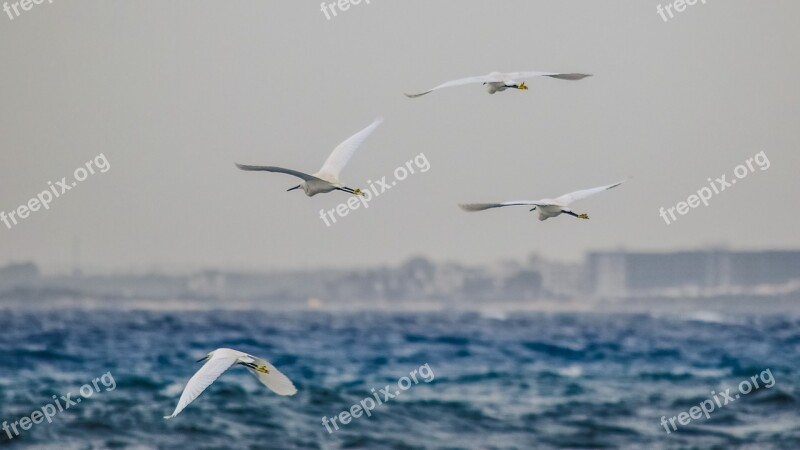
pixel 522 381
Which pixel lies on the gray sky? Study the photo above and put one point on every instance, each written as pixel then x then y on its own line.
pixel 172 93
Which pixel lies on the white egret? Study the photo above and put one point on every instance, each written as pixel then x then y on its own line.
pixel 547 207
pixel 221 360
pixel 499 82
pixel 325 179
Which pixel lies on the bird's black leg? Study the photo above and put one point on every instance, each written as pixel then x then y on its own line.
pixel 579 216
pixel 351 190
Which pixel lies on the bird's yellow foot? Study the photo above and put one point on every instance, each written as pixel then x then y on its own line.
pixel 262 369
pixel 358 192
pixel 583 216
pixel 523 86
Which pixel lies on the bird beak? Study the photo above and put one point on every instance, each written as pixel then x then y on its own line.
pixel 291 189
pixel 533 209
pixel 202 359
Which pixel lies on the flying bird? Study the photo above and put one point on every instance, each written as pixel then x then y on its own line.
pixel 221 360
pixel 499 82
pixel 547 207
pixel 325 179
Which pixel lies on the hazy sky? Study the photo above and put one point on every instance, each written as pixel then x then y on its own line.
pixel 173 92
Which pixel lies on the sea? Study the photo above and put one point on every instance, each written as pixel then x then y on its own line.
pixel 455 380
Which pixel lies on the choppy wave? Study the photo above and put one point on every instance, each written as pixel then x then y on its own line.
pixel 526 381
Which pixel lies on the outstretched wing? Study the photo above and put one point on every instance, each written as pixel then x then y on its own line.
pixel 566 199
pixel 302 175
pixel 461 82
pixel 274 380
pixel 207 374
pixel 344 151
pixel 472 207
pixel 520 76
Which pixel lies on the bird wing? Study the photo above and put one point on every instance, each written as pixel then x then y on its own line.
pixel 472 207
pixel 211 370
pixel 514 77
pixel 344 151
pixel 302 175
pixel 471 80
pixel 274 380
pixel 566 199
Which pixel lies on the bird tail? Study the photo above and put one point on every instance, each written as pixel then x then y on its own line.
pixel 275 380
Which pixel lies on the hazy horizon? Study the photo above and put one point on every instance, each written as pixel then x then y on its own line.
pixel 70 269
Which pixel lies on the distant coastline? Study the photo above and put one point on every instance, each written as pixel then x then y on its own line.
pixel 606 281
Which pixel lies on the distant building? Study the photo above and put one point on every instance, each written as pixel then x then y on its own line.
pixel 621 274
pixel 523 285
pixel 559 279
pixel 18 274
pixel 765 267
